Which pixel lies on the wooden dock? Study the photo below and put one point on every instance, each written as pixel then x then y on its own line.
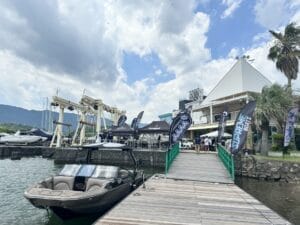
pixel 199 167
pixel 197 190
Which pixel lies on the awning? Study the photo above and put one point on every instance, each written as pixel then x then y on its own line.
pixel 209 126
pixel 215 134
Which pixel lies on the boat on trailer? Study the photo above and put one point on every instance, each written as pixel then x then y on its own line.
pixel 83 189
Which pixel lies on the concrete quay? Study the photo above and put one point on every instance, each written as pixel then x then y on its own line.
pixel 112 156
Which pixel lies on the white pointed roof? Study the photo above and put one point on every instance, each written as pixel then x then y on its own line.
pixel 242 77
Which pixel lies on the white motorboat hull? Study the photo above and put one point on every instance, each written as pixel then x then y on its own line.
pixel 21 139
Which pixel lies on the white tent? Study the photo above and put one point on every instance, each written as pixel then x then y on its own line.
pixel 215 134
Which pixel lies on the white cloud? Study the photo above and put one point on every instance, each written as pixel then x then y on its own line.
pixel 261 37
pixel 78 45
pixel 103 31
pixel 234 52
pixel 268 67
pixel 231 5
pixel 272 14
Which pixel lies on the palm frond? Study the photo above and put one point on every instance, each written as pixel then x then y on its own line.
pixel 278 36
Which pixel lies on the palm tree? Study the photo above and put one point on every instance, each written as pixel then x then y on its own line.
pixel 286 51
pixel 272 104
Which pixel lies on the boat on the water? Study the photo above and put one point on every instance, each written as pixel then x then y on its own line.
pixel 84 189
pixel 21 139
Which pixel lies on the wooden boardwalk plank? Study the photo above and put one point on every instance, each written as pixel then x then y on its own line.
pixel 199 167
pixel 171 201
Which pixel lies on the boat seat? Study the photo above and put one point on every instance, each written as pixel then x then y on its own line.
pixel 95 184
pixel 63 183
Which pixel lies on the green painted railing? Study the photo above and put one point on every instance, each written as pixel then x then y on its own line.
pixel 227 159
pixel 170 156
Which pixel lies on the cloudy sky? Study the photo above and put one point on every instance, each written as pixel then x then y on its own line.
pixel 136 55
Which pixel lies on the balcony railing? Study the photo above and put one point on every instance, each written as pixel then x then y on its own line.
pixel 207 118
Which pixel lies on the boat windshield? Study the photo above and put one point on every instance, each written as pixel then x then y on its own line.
pixel 106 172
pixel 86 171
pixel 70 170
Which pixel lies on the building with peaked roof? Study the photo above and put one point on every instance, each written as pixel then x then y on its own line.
pixel 231 93
pixel 158 127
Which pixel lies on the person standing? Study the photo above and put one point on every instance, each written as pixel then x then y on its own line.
pixel 206 143
pixel 197 144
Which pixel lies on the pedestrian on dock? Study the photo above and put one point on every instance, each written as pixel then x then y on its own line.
pixel 206 143
pixel 197 144
pixel 158 141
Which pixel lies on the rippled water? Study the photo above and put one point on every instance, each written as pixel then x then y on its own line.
pixel 283 198
pixel 15 177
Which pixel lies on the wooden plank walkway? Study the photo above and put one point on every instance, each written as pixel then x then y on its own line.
pixel 181 198
pixel 205 167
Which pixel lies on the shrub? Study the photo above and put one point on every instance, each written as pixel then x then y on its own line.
pixel 277 142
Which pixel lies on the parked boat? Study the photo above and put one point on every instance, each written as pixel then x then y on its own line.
pixel 21 139
pixel 83 189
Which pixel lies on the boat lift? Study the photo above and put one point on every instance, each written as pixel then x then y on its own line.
pixel 87 105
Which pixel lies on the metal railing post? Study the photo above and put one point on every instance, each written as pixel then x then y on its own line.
pixel 227 160
pixel 170 156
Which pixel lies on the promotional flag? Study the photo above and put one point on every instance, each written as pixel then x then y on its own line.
pixel 136 121
pixel 222 124
pixel 289 126
pixel 133 123
pixel 241 126
pixel 122 120
pixel 179 126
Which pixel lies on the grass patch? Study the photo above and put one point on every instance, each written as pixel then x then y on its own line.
pixel 286 158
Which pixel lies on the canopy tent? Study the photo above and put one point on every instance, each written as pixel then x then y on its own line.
pixel 215 134
pixel 125 130
pixel 159 127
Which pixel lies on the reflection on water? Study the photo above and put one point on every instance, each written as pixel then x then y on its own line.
pixel 84 220
pixel 284 198
pixel 15 177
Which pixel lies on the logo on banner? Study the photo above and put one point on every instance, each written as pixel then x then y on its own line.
pixel 241 127
pixel 289 127
pixel 179 126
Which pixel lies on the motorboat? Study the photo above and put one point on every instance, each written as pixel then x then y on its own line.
pixel 41 133
pixel 21 139
pixel 83 189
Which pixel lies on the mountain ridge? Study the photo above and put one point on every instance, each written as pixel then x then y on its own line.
pixel 35 118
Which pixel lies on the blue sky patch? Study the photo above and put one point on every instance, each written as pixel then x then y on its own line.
pixel 234 31
pixel 149 66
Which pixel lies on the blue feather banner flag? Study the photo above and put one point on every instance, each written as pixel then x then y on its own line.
pixel 179 126
pixel 222 125
pixel 122 120
pixel 289 126
pixel 242 123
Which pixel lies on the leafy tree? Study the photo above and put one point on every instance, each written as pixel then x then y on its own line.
pixel 272 104
pixel 286 51
pixel 12 127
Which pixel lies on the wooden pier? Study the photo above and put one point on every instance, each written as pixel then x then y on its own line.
pixel 197 190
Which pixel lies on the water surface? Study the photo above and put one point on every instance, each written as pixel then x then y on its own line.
pixel 15 177
pixel 283 198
